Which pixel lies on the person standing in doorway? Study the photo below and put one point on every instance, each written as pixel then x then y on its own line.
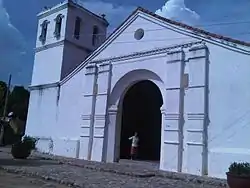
pixel 134 146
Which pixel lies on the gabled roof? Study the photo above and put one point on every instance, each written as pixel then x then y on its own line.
pixel 166 20
pixel 185 26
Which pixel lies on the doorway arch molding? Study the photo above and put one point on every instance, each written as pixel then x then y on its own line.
pixel 116 97
pixel 126 81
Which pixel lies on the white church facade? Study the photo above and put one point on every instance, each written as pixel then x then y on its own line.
pixel 79 102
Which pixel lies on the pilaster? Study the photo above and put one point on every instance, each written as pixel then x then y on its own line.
pixel 172 148
pixel 196 110
pixel 113 144
pixel 100 119
pixel 89 98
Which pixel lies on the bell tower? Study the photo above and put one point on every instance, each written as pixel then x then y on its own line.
pixel 67 33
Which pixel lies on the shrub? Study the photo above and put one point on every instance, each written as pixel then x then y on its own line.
pixel 23 148
pixel 29 142
pixel 241 169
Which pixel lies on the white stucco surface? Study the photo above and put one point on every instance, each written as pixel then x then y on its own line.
pixel 228 110
pixel 51 39
pixel 58 128
pixel 58 56
pixel 204 125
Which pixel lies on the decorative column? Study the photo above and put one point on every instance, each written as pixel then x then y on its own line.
pixel 173 128
pixel 100 122
pixel 112 144
pixel 163 124
pixel 196 110
pixel 89 99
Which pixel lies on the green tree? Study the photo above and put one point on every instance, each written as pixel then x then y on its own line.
pixel 3 89
pixel 18 102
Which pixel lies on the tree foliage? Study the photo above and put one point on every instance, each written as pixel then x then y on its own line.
pixel 18 100
pixel 3 89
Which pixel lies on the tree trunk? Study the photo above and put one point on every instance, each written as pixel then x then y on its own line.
pixel 2 135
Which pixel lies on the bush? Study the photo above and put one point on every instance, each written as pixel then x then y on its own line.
pixel 29 142
pixel 240 169
pixel 23 148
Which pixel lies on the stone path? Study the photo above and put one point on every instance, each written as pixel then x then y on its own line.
pixel 8 180
pixel 86 174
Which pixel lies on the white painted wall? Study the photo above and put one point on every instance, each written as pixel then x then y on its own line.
pixel 42 115
pixel 50 38
pixel 57 57
pixel 55 113
pixel 229 109
pixel 71 105
pixel 47 66
pixel 228 85
pixel 48 58
pixel 156 35
pixel 76 50
pixel 228 98
pixel 57 122
pixel 87 24
pixel 72 56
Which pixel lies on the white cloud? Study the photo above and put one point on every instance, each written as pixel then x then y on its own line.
pixel 12 45
pixel 114 14
pixel 10 37
pixel 177 10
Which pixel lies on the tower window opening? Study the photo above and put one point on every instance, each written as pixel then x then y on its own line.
pixel 43 35
pixel 58 26
pixel 95 36
pixel 77 28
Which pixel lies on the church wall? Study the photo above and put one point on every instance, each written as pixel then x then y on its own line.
pixel 119 47
pixel 88 21
pixel 49 54
pixel 69 121
pixel 228 96
pixel 42 116
pixel 50 38
pixel 58 110
pixel 47 62
pixel 124 74
pixel 228 102
pixel 55 117
pixel 73 56
pixel 229 110
pixel 155 36
pixel 76 50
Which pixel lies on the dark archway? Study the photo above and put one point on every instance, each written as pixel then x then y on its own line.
pixel 141 113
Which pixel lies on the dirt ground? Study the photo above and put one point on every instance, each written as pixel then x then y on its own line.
pixel 8 180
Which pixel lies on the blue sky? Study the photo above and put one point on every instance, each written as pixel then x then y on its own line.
pixel 18 24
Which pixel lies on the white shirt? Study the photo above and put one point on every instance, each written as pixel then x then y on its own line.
pixel 135 141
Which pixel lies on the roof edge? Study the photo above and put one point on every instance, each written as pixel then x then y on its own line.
pixel 66 4
pixel 166 20
pixel 195 29
pixel 74 4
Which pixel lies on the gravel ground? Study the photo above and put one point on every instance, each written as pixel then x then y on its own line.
pixel 8 180
pixel 78 173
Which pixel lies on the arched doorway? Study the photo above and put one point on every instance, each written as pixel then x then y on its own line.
pixel 140 112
